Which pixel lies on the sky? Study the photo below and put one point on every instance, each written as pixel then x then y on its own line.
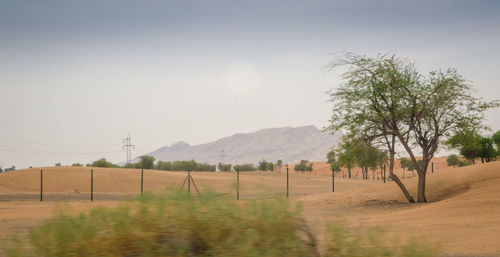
pixel 77 76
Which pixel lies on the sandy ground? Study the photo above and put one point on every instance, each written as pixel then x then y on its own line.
pixel 463 216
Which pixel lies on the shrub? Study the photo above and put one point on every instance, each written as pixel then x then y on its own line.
pixel 245 167
pixel 204 226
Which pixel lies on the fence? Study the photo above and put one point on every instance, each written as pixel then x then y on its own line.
pixel 88 184
pixel 85 183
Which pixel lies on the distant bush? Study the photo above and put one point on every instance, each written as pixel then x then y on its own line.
pixel 204 226
pixel 452 160
pixel 245 167
pixel 184 166
pixel 265 165
pixel 303 166
pixel 224 167
pixel 102 163
pixel 76 164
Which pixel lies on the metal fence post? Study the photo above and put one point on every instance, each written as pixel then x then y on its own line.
pixel 189 182
pixel 432 167
pixel 287 183
pixel 91 184
pixel 333 181
pixel 41 185
pixel 237 184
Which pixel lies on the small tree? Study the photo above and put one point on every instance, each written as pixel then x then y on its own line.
pixel 452 160
pixel 101 163
pixel 76 164
pixel 487 151
pixel 279 164
pixel 467 142
pixel 496 139
pixel 146 162
pixel 58 164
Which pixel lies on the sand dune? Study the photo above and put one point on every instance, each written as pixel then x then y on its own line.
pixel 463 215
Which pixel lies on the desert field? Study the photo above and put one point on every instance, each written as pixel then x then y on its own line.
pixel 462 218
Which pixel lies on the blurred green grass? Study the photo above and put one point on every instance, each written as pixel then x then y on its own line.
pixel 208 225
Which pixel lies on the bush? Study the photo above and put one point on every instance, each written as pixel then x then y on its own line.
pixel 265 165
pixel 169 225
pixel 166 226
pixel 245 167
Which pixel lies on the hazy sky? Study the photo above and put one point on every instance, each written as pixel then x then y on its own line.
pixel 77 76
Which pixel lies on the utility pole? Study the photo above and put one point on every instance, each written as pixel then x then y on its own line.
pixel 127 145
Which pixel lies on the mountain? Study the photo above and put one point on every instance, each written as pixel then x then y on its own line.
pixel 288 144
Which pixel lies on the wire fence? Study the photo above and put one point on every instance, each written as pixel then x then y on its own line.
pixel 101 184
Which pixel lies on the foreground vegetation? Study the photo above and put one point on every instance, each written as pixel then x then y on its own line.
pixel 172 225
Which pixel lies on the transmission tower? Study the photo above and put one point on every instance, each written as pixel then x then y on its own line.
pixel 127 145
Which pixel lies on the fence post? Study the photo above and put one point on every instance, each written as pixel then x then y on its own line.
pixel 432 167
pixel 333 181
pixel 384 173
pixel 189 182
pixel 41 185
pixel 91 184
pixel 287 182
pixel 142 181
pixel 237 184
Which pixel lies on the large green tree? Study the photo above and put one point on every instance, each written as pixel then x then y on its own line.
pixel 467 142
pixel 388 100
pixel 146 162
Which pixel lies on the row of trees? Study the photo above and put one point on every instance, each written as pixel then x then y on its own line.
pixel 472 145
pixel 386 103
pixel 12 168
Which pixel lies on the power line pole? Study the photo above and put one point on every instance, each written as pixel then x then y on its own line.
pixel 127 145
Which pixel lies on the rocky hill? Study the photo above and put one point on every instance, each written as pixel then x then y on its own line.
pixel 288 144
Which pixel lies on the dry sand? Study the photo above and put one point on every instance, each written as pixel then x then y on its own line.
pixel 463 215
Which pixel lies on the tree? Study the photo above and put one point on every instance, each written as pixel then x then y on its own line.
pixel 302 166
pixel 330 156
pixel 76 164
pixel 265 165
pixel 467 142
pixel 224 167
pixel 346 156
pixel 404 164
pixel 387 99
pixel 101 163
pixel 245 167
pixel 486 150
pixel 452 160
pixel 279 164
pixel 146 162
pixel 496 139
pixel 58 164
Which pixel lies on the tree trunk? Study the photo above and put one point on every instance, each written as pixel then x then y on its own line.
pixel 349 168
pixel 421 188
pixel 393 176
pixel 402 187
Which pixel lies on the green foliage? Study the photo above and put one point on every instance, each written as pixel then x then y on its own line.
pixel 385 98
pixel 224 167
pixel 208 225
pixel 467 142
pixel 245 167
pixel 184 166
pixel 343 242
pixel 279 164
pixel 58 164
pixel 496 139
pixel 101 163
pixel 170 226
pixel 487 152
pixel 265 165
pixel 76 164
pixel 405 163
pixel 335 167
pixel 303 166
pixel 146 162
pixel 330 156
pixel 452 160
